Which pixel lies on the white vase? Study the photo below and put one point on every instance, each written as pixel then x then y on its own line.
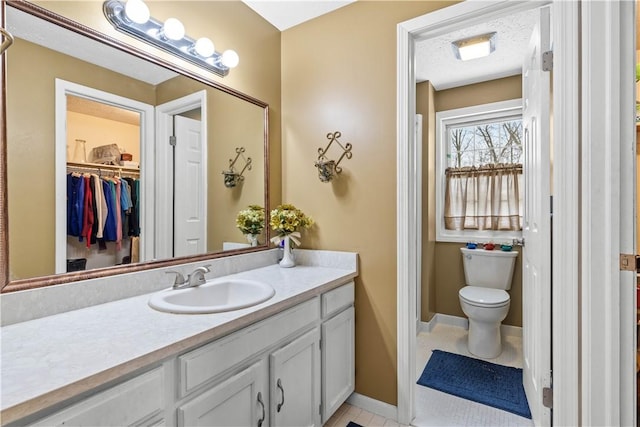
pixel 252 239
pixel 287 257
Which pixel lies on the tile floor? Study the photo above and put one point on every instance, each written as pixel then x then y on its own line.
pixel 434 408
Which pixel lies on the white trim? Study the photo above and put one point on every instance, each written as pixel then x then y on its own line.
pixel 406 228
pixel 448 319
pixel 164 165
pixel 426 326
pixel 566 189
pixel 374 406
pixel 627 210
pixel 494 110
pixel 463 322
pixel 64 88
pixel 606 292
pixel 418 218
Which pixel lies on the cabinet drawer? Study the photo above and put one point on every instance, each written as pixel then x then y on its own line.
pixel 333 301
pixel 237 401
pixel 201 365
pixel 125 404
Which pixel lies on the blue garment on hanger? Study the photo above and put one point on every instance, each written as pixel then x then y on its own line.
pixel 110 233
pixel 75 205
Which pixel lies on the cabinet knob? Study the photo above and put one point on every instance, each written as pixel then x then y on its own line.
pixel 279 385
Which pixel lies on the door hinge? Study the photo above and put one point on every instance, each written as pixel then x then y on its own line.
pixel 320 409
pixel 547 60
pixel 627 262
pixel 320 343
pixel 172 141
pixel 547 397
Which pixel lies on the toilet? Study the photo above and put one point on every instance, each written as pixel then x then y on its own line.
pixel 484 298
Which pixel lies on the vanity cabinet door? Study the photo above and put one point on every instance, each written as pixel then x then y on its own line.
pixel 338 361
pixel 295 382
pixel 241 400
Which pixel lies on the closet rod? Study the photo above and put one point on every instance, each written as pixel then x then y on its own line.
pixel 83 167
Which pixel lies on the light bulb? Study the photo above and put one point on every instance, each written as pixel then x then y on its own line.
pixel 137 11
pixel 230 58
pixel 204 47
pixel 173 29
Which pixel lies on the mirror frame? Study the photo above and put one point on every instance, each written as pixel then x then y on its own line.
pixel 37 282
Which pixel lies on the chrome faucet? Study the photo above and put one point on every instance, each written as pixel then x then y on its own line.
pixel 196 278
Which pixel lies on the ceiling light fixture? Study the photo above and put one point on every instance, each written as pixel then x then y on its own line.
pixel 133 18
pixel 474 47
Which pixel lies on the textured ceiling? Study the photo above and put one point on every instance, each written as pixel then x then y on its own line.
pixel 286 14
pixel 436 62
pixel 104 111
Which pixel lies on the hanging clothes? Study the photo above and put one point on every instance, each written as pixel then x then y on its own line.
pixel 102 209
pixel 88 213
pixel 75 204
pixel 134 219
pixel 109 233
pixel 118 185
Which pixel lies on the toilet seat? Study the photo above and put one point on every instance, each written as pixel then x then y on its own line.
pixel 484 297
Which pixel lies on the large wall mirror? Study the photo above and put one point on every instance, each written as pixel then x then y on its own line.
pixel 93 124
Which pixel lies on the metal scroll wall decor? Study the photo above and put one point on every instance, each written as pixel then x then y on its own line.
pixel 233 177
pixel 329 169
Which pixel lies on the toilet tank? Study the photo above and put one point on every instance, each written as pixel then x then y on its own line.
pixel 488 269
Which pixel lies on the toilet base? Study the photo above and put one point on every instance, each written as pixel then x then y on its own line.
pixel 484 339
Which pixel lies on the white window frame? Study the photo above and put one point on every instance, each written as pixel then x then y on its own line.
pixel 459 116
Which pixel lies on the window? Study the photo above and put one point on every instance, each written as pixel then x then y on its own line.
pixel 479 185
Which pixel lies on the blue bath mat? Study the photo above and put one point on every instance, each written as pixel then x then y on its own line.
pixel 473 379
pixel 352 424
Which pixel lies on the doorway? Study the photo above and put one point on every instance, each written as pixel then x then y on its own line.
pixel 181 222
pixel 100 154
pixel 408 183
pixel 593 309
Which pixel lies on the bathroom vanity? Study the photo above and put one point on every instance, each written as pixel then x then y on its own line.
pixel 286 361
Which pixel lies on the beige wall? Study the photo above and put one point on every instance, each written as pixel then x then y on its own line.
pixel 447 274
pixel 339 74
pixel 97 131
pixel 425 106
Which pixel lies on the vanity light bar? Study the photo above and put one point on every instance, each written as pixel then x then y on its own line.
pixel 152 32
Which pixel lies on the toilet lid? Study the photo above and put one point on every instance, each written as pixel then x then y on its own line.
pixel 485 297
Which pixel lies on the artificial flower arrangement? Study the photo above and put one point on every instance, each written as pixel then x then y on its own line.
pixel 287 220
pixel 251 220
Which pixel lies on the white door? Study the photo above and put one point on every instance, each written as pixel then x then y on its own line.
pixel 536 261
pixel 239 401
pixel 295 383
pixel 190 202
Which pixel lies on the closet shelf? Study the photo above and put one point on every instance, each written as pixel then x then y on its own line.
pixel 99 166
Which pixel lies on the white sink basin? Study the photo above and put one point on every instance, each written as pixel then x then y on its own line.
pixel 215 296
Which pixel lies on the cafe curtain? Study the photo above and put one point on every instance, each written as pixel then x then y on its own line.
pixel 487 197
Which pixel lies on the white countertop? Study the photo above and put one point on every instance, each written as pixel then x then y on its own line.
pixel 48 360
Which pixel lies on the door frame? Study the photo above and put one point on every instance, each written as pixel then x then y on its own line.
pixel 164 164
pixel 607 176
pixel 565 223
pixel 64 88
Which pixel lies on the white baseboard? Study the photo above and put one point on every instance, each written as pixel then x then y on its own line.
pixel 463 322
pixel 374 406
